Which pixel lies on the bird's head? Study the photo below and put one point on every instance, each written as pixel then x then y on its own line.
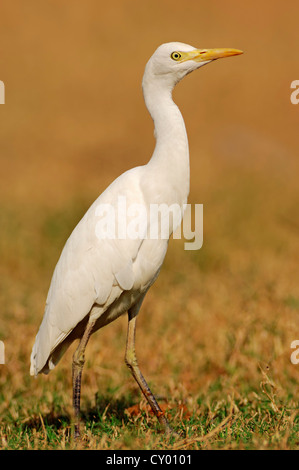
pixel 173 60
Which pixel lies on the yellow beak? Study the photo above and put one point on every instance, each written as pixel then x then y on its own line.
pixel 203 55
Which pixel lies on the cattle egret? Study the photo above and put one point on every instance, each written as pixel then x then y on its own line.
pixel 97 279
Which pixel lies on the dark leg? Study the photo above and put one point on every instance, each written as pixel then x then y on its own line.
pixel 77 367
pixel 131 362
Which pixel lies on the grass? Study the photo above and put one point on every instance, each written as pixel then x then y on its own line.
pixel 219 348
pixel 254 420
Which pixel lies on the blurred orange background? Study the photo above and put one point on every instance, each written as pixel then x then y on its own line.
pixel 74 117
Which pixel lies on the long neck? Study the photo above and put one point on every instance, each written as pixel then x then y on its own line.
pixel 170 160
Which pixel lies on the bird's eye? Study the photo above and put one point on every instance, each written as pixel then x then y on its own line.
pixel 176 56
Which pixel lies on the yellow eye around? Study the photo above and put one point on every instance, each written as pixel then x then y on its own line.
pixel 176 55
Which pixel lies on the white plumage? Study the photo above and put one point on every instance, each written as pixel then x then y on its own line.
pixel 97 280
pixel 100 278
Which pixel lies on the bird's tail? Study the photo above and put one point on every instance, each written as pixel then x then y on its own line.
pixel 49 346
pixel 40 352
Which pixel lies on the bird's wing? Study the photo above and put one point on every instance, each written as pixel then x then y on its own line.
pixel 90 271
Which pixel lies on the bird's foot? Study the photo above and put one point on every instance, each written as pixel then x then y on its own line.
pixel 77 433
pixel 171 433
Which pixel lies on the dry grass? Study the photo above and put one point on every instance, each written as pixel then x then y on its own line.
pixel 214 333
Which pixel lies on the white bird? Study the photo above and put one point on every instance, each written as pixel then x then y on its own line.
pixel 97 279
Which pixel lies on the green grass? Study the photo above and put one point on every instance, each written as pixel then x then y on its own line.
pixel 213 340
pixel 213 422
